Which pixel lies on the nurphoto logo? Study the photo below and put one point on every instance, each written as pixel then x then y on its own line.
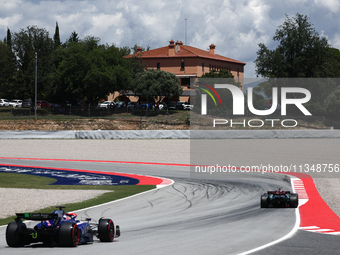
pixel 238 104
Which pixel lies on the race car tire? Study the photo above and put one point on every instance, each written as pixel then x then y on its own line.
pixel 69 234
pixel 106 230
pixel 13 237
pixel 294 200
pixel 117 231
pixel 264 201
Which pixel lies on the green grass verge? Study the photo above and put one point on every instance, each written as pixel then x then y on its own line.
pixel 13 180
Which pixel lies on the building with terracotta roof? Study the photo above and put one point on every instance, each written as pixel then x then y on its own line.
pixel 188 62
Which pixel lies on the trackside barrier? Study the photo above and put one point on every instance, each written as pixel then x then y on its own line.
pixel 169 134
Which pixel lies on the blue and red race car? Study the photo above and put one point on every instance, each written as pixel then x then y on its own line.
pixel 59 228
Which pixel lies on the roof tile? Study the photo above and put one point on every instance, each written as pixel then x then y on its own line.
pixel 185 51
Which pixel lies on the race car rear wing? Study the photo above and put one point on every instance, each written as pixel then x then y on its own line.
pixel 37 216
pixel 275 192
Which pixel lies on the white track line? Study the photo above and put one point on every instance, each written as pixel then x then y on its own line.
pixel 290 234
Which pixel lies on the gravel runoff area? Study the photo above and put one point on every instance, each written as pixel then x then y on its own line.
pixel 26 200
pixel 163 151
pixel 329 190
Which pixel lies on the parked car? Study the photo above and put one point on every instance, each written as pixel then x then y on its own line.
pixel 120 104
pixel 143 105
pixel 132 105
pixel 105 104
pixel 15 103
pixel 42 104
pixel 172 106
pixel 112 105
pixel 163 106
pixel 4 102
pixel 179 105
pixel 27 103
pixel 149 106
pixel 56 107
pixel 187 106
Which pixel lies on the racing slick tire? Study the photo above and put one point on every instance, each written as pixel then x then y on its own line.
pixel 294 200
pixel 117 231
pixel 13 237
pixel 264 201
pixel 69 234
pixel 106 230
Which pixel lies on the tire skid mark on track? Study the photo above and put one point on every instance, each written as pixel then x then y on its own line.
pixel 150 203
pixel 183 196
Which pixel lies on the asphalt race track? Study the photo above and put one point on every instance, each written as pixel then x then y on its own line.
pixel 189 217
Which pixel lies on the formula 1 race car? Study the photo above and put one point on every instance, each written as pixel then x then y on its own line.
pixel 279 198
pixel 58 228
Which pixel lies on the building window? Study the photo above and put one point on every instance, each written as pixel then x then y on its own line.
pixel 203 67
pixel 158 66
pixel 185 82
pixel 182 65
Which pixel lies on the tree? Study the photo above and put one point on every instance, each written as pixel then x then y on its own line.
pixel 152 84
pixel 300 53
pixel 9 39
pixel 7 70
pixel 121 68
pixel 210 79
pixel 332 104
pixel 333 63
pixel 73 37
pixel 89 71
pixel 221 74
pixel 136 61
pixel 134 48
pixel 56 36
pixel 25 44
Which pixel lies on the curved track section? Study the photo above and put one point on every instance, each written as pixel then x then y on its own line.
pixel 188 217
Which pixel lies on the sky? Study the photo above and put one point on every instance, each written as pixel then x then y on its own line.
pixel 236 27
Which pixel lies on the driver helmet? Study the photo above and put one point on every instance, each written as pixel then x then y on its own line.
pixel 66 217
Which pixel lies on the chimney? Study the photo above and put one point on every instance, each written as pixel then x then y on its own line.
pixel 178 46
pixel 172 48
pixel 139 50
pixel 212 49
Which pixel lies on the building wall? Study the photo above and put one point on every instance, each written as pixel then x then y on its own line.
pixel 194 66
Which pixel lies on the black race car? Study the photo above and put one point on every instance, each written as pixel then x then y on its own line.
pixel 279 198
pixel 59 228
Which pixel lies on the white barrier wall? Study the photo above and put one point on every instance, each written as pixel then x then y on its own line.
pixel 170 134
